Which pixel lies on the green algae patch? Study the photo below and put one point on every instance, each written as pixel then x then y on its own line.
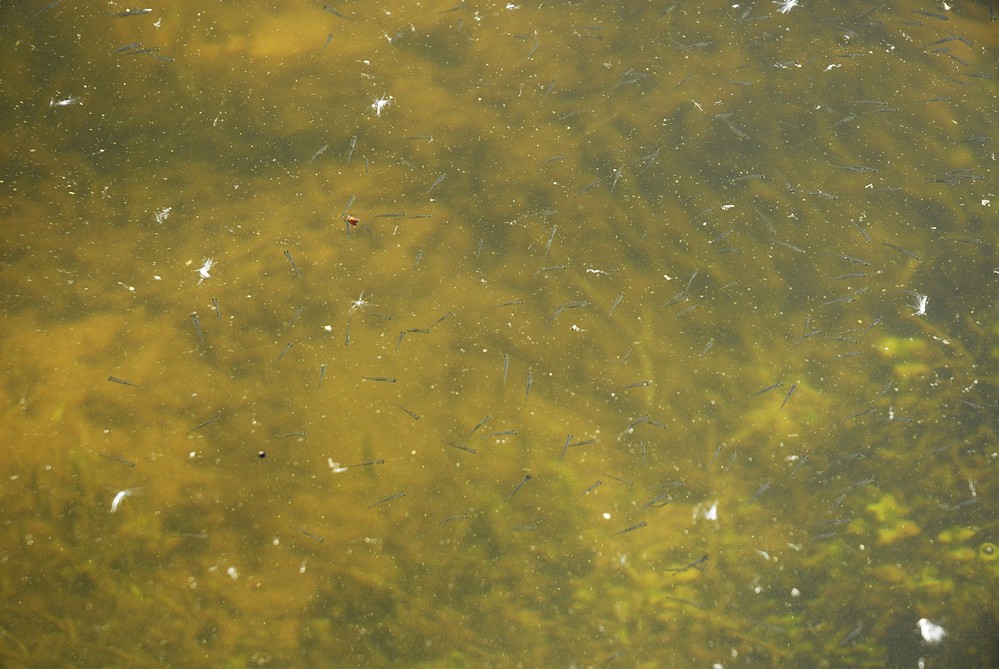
pixel 910 356
pixel 907 354
pixel 956 535
pixel 901 347
pixel 892 522
pixel 956 540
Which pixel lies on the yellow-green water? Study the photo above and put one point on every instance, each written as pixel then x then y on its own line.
pixel 648 213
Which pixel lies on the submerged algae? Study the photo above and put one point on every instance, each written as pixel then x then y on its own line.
pixel 892 522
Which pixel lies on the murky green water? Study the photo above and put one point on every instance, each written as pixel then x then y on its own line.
pixel 623 363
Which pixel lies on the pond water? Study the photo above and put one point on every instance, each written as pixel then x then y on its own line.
pixel 488 335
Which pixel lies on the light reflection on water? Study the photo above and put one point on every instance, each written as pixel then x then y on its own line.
pixel 587 239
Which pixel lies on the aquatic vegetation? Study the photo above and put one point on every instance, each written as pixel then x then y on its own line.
pixel 892 522
pixel 675 356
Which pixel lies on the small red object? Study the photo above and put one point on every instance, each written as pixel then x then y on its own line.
pixel 353 221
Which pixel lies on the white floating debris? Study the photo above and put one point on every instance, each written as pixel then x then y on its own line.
pixel 381 103
pixel 119 498
pixel 712 512
pixel 932 633
pixel 205 268
pixel 708 513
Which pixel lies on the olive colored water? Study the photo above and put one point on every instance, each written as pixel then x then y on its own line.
pixel 521 418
